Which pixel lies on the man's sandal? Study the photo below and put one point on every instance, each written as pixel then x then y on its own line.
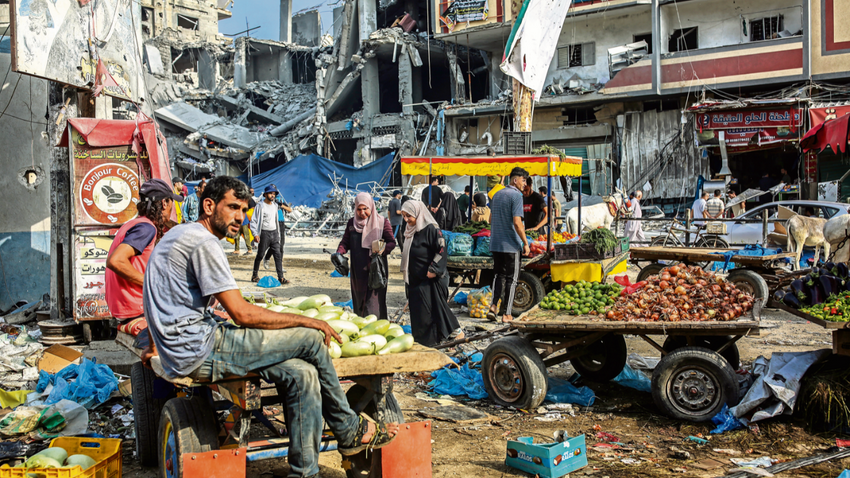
pixel 380 439
pixel 491 316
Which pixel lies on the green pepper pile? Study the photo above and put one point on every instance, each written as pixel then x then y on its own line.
pixel 836 308
pixel 583 298
pixel 473 227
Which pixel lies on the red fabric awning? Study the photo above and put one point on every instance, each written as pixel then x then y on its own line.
pixel 832 133
pixel 102 133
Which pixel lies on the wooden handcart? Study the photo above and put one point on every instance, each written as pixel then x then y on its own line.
pixel 695 377
pixel 178 428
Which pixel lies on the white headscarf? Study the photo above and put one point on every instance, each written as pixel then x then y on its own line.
pixel 372 227
pixel 423 216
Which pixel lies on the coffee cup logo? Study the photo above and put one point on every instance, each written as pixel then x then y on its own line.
pixel 109 193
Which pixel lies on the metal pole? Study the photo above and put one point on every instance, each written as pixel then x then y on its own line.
pixel 549 207
pixel 764 227
pixel 579 207
pixel 471 195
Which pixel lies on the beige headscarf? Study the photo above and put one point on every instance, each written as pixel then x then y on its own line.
pixel 372 227
pixel 423 216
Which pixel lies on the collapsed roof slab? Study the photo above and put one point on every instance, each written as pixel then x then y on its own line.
pixel 192 119
pixel 256 114
pixel 192 150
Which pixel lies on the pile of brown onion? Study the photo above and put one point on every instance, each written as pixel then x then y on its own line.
pixel 682 293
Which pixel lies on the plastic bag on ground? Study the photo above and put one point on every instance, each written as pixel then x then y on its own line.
pixel 725 421
pixel 844 474
pixel 65 418
pixel 459 382
pixel 88 384
pixel 631 378
pixel 268 282
pixel 478 302
pixel 336 274
pixel 561 391
pixel 460 298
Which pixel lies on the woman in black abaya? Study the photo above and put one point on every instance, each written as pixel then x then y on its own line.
pixel 451 212
pixel 423 263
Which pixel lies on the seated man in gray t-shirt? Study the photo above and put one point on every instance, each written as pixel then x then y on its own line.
pixel 186 273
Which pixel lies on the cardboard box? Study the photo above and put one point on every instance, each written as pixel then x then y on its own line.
pixel 57 357
pixel 551 460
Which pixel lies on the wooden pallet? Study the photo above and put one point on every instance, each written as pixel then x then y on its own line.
pixel 540 320
pixel 696 254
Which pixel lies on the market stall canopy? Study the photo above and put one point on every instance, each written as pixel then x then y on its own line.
pixel 832 133
pixel 536 165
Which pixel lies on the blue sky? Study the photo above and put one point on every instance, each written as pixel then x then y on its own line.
pixel 266 13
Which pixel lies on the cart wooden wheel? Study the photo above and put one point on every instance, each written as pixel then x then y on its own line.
pixel 714 342
pixel 368 464
pixel 514 374
pixel 187 425
pixel 529 292
pixel 693 383
pixel 147 411
pixel 750 282
pixel 603 360
pixel 650 270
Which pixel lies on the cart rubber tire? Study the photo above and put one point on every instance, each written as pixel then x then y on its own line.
pixel 529 292
pixel 147 411
pixel 693 383
pixel 604 359
pixel 514 374
pixel 649 270
pixel 750 282
pixel 663 241
pixel 187 425
pixel 731 353
pixel 367 464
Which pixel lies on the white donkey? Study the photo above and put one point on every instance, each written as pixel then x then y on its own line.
pixel 598 215
pixel 806 231
pixel 835 230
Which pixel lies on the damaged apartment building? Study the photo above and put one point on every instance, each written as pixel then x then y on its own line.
pixel 376 86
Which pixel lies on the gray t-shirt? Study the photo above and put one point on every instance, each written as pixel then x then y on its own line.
pixel 506 205
pixel 184 270
pixel 395 217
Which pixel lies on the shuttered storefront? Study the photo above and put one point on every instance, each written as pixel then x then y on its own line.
pixel 832 167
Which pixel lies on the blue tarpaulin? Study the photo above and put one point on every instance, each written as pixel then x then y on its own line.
pixel 305 180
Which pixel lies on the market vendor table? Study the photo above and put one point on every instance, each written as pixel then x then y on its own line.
pixel 695 377
pixel 840 330
pixel 755 275
pixel 161 417
pixel 538 274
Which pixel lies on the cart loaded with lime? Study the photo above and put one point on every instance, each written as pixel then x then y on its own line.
pixel 556 257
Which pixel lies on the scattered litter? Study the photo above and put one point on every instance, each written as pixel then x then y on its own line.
pixel 701 441
pixel 763 462
pixel 726 451
pixel 463 381
pixel 455 413
pixel 725 421
pixel 630 461
pixel 639 362
pixel 268 282
pixel 842 443
pixel 607 437
pixel 634 379
pixel 562 391
pixel 680 455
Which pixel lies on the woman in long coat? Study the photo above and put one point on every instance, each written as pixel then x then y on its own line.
pixel 361 231
pixel 423 263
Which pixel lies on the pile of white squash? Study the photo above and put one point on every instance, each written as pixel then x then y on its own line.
pixel 360 335
pixel 57 457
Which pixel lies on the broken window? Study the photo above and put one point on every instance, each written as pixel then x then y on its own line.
pixel 184 61
pixel 684 39
pixel 581 54
pixel 188 23
pixel 647 37
pixel 766 28
pixel 303 68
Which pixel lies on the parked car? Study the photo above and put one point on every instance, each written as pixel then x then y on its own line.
pixel 751 233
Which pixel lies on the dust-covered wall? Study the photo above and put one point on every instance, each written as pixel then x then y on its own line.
pixel 25 215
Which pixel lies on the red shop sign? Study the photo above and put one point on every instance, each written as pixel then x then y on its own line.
pixel 792 117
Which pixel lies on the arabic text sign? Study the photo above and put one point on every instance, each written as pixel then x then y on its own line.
pixel 90 270
pixel 750 119
pixel 467 11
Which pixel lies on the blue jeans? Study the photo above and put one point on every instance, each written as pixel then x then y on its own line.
pixel 297 362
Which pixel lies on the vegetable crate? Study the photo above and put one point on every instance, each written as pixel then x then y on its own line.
pixel 105 451
pixel 623 247
pixel 580 251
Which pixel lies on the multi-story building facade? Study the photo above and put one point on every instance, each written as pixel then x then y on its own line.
pixel 626 75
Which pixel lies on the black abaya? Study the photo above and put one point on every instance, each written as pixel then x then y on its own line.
pixel 365 301
pixel 431 320
pixel 451 211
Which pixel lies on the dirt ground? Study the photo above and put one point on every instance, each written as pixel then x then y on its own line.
pixel 650 439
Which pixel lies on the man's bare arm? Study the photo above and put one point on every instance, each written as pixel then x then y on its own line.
pixel 253 317
pixel 520 229
pixel 119 263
